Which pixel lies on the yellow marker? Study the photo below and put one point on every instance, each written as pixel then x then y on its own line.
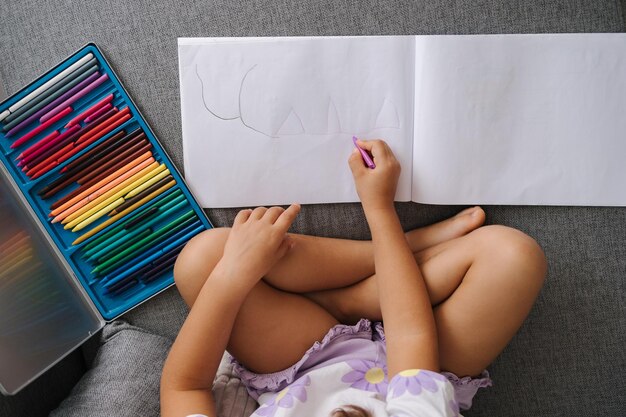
pixel 110 192
pixel 114 212
pixel 115 196
pixel 98 189
pixel 147 184
pixel 123 213
pixel 99 214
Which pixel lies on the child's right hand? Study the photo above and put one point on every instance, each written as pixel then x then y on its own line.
pixel 257 240
pixel 376 187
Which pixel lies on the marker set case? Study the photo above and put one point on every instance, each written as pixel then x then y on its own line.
pixel 92 213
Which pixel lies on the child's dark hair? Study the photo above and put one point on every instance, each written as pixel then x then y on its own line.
pixel 350 411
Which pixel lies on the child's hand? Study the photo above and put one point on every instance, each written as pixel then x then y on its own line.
pixel 257 240
pixel 376 187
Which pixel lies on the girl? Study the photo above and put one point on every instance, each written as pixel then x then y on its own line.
pixel 296 312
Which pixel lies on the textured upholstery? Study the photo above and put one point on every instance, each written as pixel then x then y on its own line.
pixel 567 358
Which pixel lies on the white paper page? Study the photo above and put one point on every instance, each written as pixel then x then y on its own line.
pixel 270 120
pixel 520 119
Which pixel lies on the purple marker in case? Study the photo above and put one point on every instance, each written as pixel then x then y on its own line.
pixel 364 154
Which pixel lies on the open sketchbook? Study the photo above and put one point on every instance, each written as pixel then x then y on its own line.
pixel 478 119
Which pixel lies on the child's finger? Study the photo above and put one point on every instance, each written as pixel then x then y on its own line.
pixel 272 214
pixel 287 217
pixel 258 212
pixel 376 147
pixel 356 162
pixel 242 216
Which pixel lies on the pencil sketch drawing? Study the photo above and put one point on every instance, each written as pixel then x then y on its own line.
pixel 292 124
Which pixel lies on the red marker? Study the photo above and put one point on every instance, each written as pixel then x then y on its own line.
pixel 41 128
pixel 38 145
pixel 113 120
pixel 51 144
pixel 90 110
pixel 30 171
pixel 100 112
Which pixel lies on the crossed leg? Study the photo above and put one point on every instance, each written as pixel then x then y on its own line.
pixel 482 282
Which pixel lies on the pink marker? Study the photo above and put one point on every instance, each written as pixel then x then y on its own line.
pixel 75 97
pixel 99 112
pixel 96 107
pixel 364 154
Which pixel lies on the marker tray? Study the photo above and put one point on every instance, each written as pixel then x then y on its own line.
pixel 92 213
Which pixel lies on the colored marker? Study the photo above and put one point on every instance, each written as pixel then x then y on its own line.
pixel 163 260
pixel 118 216
pixel 68 177
pixel 366 158
pixel 47 84
pixel 50 95
pixel 144 244
pixel 95 191
pixel 78 148
pixel 120 289
pixel 98 214
pixel 134 199
pixel 103 149
pixel 31 161
pixel 117 276
pixel 111 195
pixel 27 161
pixel 92 110
pixel 35 116
pixel 40 128
pixel 108 157
pixel 145 217
pixel 118 246
pixel 98 178
pixel 123 154
pixel 83 92
pixel 38 145
pixel 123 114
pixel 147 184
pixel 100 112
pixel 163 214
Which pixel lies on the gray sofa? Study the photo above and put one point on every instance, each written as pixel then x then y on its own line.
pixel 569 355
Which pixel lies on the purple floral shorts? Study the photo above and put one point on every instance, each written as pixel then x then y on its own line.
pixel 364 340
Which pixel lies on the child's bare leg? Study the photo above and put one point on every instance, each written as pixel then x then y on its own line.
pixel 482 286
pixel 270 320
pixel 267 335
pixel 316 263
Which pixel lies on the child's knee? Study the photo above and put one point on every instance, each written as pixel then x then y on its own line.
pixel 516 250
pixel 196 261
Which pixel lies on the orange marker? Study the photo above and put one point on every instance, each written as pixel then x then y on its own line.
pixel 91 110
pixel 105 125
pixel 97 190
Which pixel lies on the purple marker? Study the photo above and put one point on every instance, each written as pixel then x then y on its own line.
pixel 364 154
pixel 75 97
pixel 52 105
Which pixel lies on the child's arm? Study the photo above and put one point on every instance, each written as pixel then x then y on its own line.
pixel 407 313
pixel 257 240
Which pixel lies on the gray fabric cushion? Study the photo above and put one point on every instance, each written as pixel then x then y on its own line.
pixel 125 376
pixel 124 380
pixel 567 357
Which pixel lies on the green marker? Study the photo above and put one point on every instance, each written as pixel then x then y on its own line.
pixel 143 244
pixel 110 234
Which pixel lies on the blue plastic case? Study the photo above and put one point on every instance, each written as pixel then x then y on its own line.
pixel 98 303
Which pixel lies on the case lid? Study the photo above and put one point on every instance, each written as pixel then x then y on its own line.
pixel 43 316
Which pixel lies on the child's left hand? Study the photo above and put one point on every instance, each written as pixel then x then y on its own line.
pixel 257 240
